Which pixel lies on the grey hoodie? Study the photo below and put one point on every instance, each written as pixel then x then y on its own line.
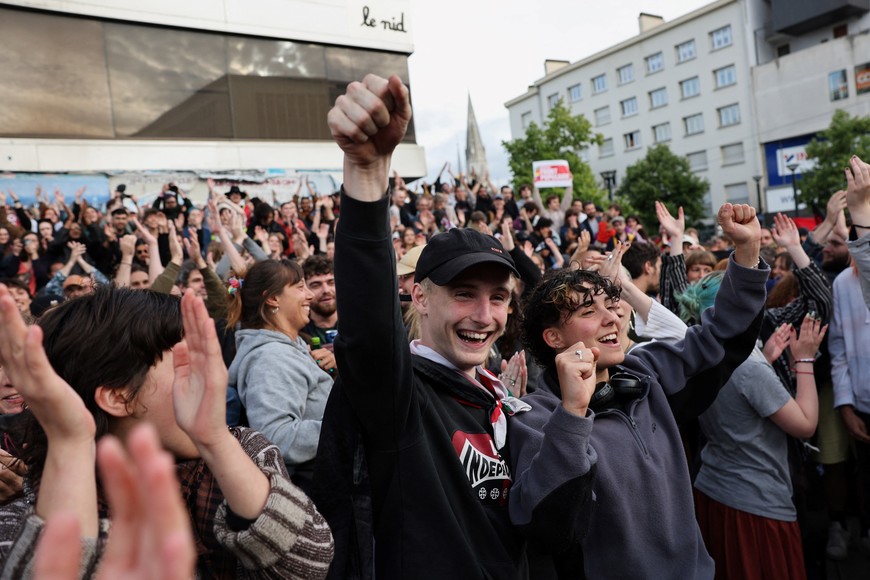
pixel 283 391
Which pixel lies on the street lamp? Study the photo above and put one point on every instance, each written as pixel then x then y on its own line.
pixel 792 167
pixel 609 178
pixel 757 179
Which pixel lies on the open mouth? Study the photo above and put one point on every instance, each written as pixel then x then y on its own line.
pixel 473 338
pixel 610 339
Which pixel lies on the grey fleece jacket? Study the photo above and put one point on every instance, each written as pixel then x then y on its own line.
pixel 638 521
pixel 284 393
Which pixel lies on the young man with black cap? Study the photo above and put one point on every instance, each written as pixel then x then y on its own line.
pixel 433 421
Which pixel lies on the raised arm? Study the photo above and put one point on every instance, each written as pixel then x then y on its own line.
pixel 155 267
pixel 858 200
pixel 835 207
pixel 815 290
pixel 68 482
pixel 368 123
pixel 128 248
pixel 567 198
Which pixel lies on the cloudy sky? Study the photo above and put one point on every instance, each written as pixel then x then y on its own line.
pixel 493 50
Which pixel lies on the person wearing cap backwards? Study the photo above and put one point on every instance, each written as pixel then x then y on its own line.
pixel 432 420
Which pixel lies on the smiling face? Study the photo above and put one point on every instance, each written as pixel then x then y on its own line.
pixel 10 401
pixel 22 299
pixel 323 294
pixel 597 324
pixel 294 307
pixel 462 320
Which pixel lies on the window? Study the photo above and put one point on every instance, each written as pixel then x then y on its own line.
pixel 632 140
pixel 654 63
pixel 783 49
pixel 694 124
pixel 574 93
pixel 729 115
pixel 697 160
pixel 606 148
pixel 658 98
pixel 838 85
pixel 720 38
pixel 725 76
pixel 841 30
pixel 629 107
pixel 686 51
pixel 625 74
pixel 732 154
pixel 690 87
pixel 552 100
pixel 526 119
pixel 602 116
pixel 737 193
pixel 599 84
pixel 662 133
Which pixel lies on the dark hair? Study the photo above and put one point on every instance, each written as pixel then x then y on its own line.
pixel 119 211
pixel 110 338
pixel 543 223
pixel 637 255
pixel 262 281
pixel 187 268
pixel 262 212
pixel 16 283
pixel 317 265
pixel 788 262
pixel 553 300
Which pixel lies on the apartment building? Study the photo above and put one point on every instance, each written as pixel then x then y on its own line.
pixel 710 85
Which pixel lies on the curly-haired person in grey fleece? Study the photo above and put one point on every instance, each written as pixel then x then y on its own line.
pixel 282 386
pixel 137 364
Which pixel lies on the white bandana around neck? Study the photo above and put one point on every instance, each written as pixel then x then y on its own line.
pixel 506 404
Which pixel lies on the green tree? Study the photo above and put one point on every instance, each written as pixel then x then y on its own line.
pixel 831 150
pixel 561 137
pixel 663 176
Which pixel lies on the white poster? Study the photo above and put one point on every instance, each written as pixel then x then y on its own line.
pixel 552 173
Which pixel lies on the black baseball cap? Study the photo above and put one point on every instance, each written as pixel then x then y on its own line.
pixel 449 254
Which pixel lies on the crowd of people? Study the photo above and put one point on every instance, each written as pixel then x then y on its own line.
pixel 449 381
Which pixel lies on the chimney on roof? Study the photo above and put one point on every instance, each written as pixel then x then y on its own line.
pixel 551 66
pixel 647 22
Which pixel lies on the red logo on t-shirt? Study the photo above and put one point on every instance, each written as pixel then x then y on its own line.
pixel 487 472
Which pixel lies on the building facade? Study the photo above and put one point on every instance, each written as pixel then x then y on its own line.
pixel 202 88
pixel 723 86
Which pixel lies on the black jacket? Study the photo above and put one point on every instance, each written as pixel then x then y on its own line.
pixel 438 488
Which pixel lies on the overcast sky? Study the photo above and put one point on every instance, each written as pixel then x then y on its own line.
pixel 493 50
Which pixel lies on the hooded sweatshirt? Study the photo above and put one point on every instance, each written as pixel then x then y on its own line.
pixel 284 393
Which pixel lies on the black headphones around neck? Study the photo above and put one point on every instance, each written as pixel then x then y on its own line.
pixel 621 386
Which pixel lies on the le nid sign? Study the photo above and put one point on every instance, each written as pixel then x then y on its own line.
pixel 552 173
